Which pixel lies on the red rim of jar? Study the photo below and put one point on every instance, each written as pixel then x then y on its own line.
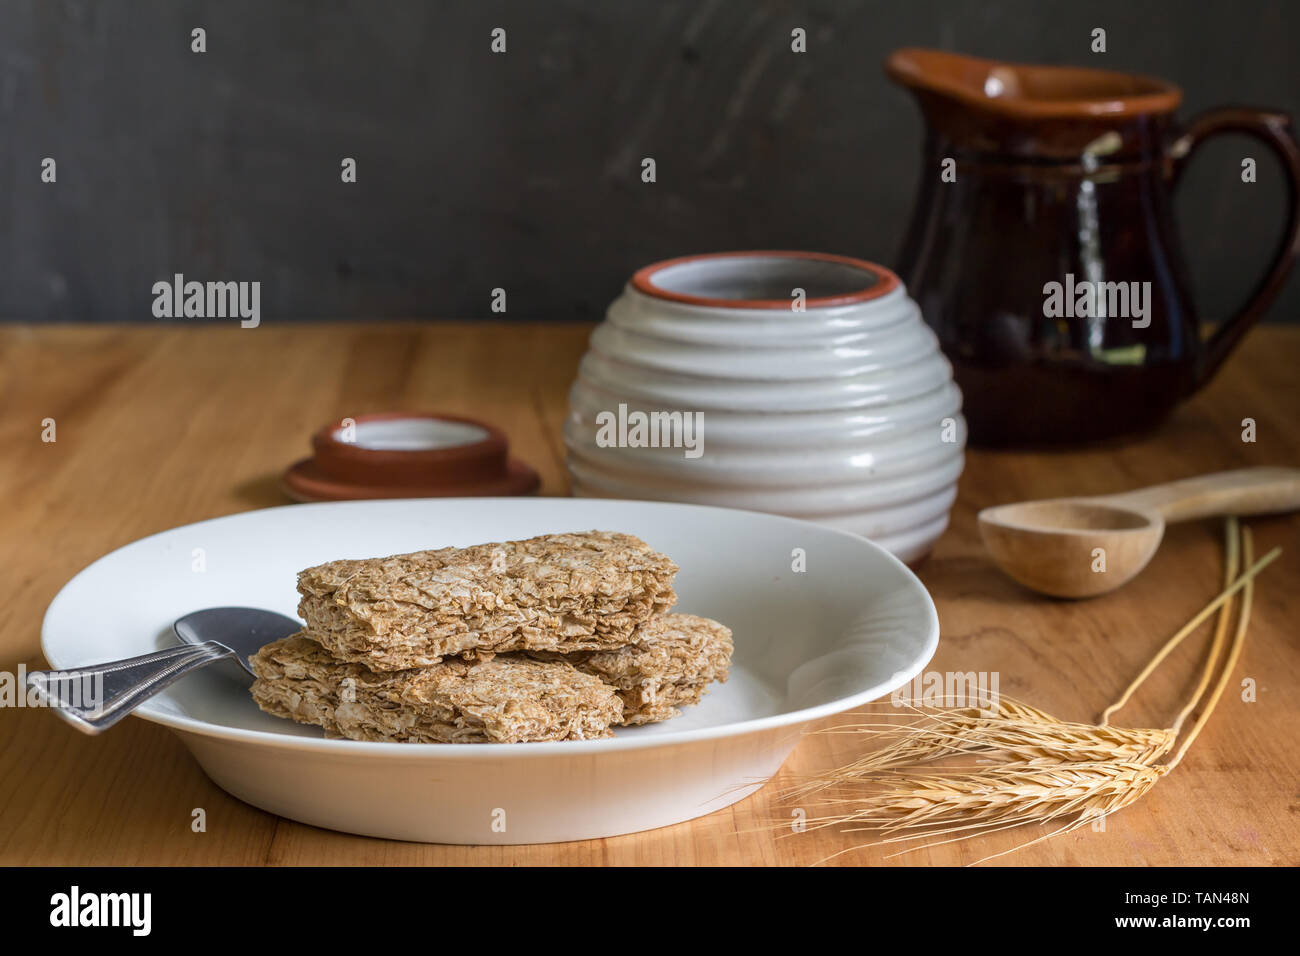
pixel 884 281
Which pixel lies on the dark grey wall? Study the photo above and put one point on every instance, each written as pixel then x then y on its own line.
pixel 522 170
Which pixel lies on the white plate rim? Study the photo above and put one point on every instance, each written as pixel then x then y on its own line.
pixel 489 751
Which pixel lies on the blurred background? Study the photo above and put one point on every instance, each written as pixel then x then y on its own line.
pixel 522 170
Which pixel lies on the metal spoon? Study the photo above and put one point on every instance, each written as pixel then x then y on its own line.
pixel 1061 546
pixel 95 697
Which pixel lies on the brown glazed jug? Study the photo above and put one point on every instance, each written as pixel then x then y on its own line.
pixel 1043 251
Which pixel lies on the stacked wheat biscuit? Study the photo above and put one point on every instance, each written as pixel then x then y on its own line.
pixel 559 637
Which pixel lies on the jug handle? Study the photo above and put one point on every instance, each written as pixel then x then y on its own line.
pixel 1273 129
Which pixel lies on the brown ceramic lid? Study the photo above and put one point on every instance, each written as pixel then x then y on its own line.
pixel 408 455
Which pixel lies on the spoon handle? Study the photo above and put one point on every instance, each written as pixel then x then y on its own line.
pixel 95 697
pixel 1247 491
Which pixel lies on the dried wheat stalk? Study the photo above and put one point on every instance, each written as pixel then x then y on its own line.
pixel 1030 766
pixel 1006 725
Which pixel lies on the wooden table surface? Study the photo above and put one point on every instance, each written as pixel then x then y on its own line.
pixel 158 427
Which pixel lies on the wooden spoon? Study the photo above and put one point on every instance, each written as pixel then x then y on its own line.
pixel 1060 546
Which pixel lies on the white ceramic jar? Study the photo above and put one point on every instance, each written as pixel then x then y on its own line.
pixel 797 383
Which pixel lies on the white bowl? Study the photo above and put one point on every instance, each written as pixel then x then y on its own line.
pixel 844 412
pixel 851 628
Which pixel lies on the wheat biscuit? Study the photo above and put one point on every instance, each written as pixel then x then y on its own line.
pixel 669 663
pixel 508 699
pixel 559 592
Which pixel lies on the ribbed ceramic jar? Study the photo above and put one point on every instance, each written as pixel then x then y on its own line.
pixel 796 383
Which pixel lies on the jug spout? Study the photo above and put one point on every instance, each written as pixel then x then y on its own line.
pixel 991 106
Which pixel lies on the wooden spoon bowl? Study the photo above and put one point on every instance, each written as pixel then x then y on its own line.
pixel 1071 547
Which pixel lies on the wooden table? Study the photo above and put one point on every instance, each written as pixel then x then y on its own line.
pixel 158 427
